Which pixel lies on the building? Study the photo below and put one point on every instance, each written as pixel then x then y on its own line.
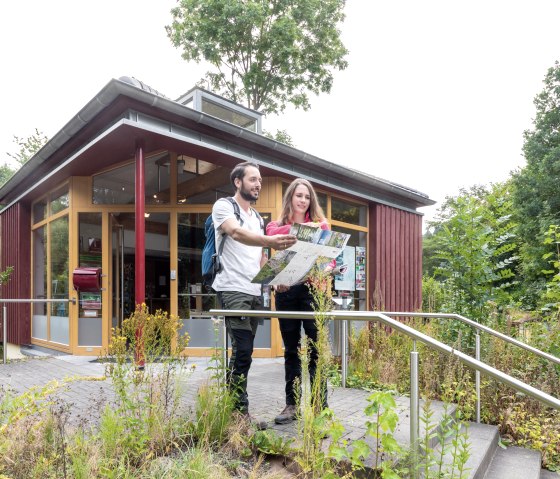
pixel 73 206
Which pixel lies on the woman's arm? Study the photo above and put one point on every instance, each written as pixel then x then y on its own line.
pixel 273 228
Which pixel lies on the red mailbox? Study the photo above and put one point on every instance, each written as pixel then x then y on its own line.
pixel 87 280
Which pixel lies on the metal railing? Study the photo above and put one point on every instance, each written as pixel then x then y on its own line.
pixel 478 327
pixel 5 318
pixel 475 364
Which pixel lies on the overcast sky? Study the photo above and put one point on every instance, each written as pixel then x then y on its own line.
pixel 436 96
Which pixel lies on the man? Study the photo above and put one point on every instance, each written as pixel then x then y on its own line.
pixel 242 259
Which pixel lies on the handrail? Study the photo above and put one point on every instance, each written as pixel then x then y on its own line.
pixel 480 327
pixel 403 328
pixel 21 300
pixel 5 318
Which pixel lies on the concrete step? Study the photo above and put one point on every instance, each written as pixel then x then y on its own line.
pixel 486 460
pixel 482 441
pixel 515 463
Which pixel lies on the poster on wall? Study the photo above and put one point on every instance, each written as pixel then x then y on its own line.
pixel 360 268
pixel 346 281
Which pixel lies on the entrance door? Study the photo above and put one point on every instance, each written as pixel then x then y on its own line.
pixel 117 267
pixel 157 266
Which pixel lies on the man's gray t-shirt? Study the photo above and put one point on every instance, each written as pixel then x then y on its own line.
pixel 240 262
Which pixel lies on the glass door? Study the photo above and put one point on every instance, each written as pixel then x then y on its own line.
pixel 122 266
pixel 90 312
pixel 117 267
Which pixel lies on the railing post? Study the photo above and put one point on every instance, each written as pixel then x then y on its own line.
pixel 5 335
pixel 477 376
pixel 344 351
pixel 414 409
pixel 223 328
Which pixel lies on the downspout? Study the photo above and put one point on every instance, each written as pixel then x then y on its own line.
pixel 140 254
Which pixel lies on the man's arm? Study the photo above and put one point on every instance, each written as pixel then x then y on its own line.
pixel 231 228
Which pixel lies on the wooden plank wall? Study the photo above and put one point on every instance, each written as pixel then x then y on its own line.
pixel 395 259
pixel 16 251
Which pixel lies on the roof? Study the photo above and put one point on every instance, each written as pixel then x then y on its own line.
pixel 127 110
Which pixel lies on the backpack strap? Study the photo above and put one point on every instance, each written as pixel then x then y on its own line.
pixel 261 221
pixel 237 213
pixel 236 210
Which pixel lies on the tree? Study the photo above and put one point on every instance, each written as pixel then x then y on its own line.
pixel 266 54
pixel 27 148
pixel 281 135
pixel 6 172
pixel 473 249
pixel 536 194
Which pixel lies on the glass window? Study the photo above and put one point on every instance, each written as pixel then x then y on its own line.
pixel 39 211
pixel 59 200
pixel 59 325
pixel 157 262
pixel 39 322
pixel 355 252
pixel 157 179
pixel 229 115
pixel 89 239
pixel 348 212
pixel 114 187
pixel 190 237
pixel 210 196
pixel 201 182
pixel 322 198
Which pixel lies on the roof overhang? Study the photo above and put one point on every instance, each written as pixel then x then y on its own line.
pixel 121 115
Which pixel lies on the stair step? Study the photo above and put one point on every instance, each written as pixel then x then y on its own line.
pixel 482 441
pixel 549 474
pixel 402 431
pixel 515 463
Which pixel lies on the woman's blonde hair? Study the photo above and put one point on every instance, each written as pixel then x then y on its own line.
pixel 315 211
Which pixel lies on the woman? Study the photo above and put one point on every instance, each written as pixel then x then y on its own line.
pixel 300 205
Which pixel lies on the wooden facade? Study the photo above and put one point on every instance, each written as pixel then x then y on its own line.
pixel 395 259
pixel 16 252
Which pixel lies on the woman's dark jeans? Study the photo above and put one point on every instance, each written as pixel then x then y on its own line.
pixel 298 298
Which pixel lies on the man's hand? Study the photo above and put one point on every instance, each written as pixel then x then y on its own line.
pixel 281 242
pixel 281 288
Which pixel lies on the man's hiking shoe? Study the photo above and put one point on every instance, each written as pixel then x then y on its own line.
pixel 256 423
pixel 287 415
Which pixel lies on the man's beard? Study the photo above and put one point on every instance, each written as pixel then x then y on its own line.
pixel 248 196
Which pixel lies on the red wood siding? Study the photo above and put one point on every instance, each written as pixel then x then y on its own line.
pixel 395 259
pixel 16 251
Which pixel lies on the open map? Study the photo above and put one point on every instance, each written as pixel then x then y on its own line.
pixel 315 246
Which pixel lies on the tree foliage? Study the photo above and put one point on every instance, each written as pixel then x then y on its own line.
pixel 281 135
pixel 536 191
pixel 265 54
pixel 27 147
pixel 474 248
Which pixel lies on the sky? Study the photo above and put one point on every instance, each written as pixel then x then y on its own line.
pixel 436 96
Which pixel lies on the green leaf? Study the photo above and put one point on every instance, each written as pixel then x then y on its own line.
pixel 360 449
pixel 338 453
pixel 389 443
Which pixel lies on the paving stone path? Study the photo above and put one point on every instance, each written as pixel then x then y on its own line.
pixel 265 388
